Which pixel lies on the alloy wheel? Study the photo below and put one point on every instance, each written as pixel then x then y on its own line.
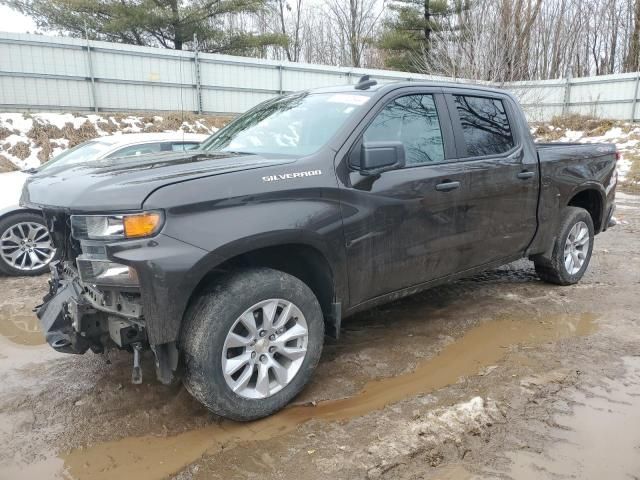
pixel 26 246
pixel 265 348
pixel 576 248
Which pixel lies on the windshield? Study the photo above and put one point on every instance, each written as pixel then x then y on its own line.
pixel 84 152
pixel 297 124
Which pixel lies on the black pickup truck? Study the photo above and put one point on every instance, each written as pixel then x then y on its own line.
pixel 232 262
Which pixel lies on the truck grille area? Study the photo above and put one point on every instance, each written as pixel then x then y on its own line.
pixel 95 301
pixel 126 304
pixel 59 225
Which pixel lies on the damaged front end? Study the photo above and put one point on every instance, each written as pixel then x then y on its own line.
pixel 93 302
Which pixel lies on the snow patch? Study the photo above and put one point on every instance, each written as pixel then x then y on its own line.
pixel 18 121
pixel 615 132
pixel 623 168
pixel 572 136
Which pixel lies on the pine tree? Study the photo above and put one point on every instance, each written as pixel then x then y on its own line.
pixel 410 27
pixel 166 23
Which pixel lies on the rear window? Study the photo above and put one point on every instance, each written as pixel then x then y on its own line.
pixel 134 150
pixel 183 146
pixel 485 126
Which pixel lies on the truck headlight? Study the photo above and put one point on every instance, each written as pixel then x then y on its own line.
pixel 104 272
pixel 115 227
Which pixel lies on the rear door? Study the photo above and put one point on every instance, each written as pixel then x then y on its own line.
pixel 404 226
pixel 502 169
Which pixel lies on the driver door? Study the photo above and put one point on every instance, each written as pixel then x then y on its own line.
pixel 405 226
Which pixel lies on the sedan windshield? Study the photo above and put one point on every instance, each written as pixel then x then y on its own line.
pixel 85 152
pixel 296 124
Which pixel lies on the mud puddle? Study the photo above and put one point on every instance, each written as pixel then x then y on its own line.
pixel 454 472
pixel 601 439
pixel 21 342
pixel 20 328
pixel 482 346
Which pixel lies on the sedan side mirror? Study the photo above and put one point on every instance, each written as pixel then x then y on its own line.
pixel 378 157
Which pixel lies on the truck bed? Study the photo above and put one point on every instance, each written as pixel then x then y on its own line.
pixel 587 150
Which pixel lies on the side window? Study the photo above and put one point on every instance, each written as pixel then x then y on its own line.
pixel 137 150
pixel 413 120
pixel 485 125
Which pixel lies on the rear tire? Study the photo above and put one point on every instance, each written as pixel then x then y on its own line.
pixel 32 258
pixel 219 335
pixel 572 249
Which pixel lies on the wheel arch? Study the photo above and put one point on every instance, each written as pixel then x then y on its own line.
pixel 298 255
pixel 592 198
pixel 8 212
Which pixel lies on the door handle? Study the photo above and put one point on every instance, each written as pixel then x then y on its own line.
pixel 526 174
pixel 446 186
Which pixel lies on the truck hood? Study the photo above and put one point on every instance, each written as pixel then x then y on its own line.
pixel 125 183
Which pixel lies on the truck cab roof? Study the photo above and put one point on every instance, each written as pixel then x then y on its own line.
pixel 382 88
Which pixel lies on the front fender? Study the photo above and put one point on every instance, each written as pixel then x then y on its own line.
pixel 227 220
pixel 191 278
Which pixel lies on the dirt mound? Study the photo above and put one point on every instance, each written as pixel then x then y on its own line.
pixel 6 165
pixel 591 126
pixel 20 150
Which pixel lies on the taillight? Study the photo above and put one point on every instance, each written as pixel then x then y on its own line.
pixel 618 155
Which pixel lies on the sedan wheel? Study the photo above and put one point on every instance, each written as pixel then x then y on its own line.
pixel 25 246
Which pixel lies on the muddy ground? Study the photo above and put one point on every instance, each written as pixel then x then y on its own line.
pixel 498 376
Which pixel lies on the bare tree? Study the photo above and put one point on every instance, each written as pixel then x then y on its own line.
pixel 632 60
pixel 356 21
pixel 509 40
pixel 290 26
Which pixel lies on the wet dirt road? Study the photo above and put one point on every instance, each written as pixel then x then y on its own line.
pixel 498 376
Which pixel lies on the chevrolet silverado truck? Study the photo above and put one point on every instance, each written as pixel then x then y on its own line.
pixel 232 262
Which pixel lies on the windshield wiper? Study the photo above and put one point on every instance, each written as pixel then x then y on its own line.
pixel 234 152
pixel 227 152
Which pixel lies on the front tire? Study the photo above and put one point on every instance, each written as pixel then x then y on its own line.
pixel 572 249
pixel 25 245
pixel 251 343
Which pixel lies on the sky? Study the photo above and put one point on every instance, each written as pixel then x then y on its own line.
pixel 12 21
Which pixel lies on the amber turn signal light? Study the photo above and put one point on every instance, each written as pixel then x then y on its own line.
pixel 141 225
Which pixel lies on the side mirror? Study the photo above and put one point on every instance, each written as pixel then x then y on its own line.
pixel 378 157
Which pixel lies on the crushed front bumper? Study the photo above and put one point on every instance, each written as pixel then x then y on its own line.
pixel 74 317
